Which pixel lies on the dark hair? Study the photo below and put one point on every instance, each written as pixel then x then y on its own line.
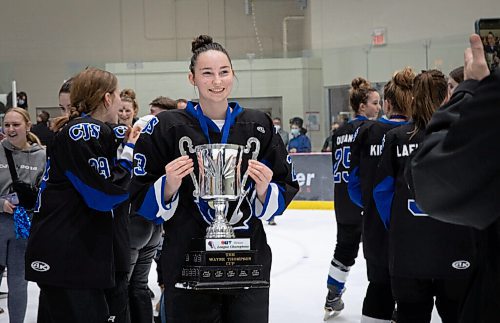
pixel 297 121
pixel 66 86
pixel 429 91
pixel 399 91
pixel 277 118
pixel 359 92
pixel 44 116
pixel 181 100
pixel 457 74
pixel 164 103
pixel 18 95
pixel 202 44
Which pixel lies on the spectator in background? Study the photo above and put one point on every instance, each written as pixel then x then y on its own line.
pixel 283 134
pixel 22 100
pixel 129 109
pixel 181 103
pixel 161 104
pixel 41 129
pixel 455 77
pixel 25 150
pixel 327 145
pixel 299 143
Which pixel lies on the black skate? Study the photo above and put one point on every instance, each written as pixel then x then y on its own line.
pixel 334 304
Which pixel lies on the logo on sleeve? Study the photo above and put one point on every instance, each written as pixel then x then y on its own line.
pixel 120 131
pixel 261 129
pixel 461 264
pixel 40 266
pixel 150 126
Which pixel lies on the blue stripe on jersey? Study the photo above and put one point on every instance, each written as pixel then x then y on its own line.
pixel 94 198
pixel 391 122
pixel 126 164
pixel 149 208
pixel 383 194
pixel 281 200
pixel 354 187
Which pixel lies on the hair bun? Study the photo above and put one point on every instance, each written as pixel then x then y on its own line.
pixel 200 41
pixel 359 83
pixel 404 78
pixel 129 93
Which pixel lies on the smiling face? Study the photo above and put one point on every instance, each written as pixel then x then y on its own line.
pixel 126 113
pixel 16 128
pixel 213 76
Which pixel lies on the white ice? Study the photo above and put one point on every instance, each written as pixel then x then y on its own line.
pixel 302 245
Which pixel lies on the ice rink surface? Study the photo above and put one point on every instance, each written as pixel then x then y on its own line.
pixel 302 245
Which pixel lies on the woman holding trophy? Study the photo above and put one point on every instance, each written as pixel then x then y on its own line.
pixel 190 193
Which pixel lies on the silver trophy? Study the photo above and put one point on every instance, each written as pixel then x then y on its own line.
pixel 220 179
pixel 220 260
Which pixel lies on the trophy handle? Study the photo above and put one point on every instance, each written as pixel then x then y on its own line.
pixel 252 140
pixel 191 149
pixel 255 153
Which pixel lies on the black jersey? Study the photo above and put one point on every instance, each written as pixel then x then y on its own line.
pixel 187 217
pixel 71 239
pixel 346 212
pixel 419 246
pixel 365 156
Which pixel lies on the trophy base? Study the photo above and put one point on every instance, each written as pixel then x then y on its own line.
pixel 222 277
pixel 223 285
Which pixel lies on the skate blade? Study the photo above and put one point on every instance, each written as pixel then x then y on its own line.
pixel 330 314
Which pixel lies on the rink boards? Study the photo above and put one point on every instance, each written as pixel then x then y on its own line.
pixel 315 177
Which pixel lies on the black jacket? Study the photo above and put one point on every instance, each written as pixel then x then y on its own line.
pixel 456 176
pixel 75 222
pixel 185 217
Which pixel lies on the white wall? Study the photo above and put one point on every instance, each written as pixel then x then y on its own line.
pixel 297 80
pixel 341 34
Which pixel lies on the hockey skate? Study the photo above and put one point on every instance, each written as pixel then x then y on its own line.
pixel 334 304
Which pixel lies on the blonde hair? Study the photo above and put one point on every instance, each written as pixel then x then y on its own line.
pixel 30 137
pixel 128 95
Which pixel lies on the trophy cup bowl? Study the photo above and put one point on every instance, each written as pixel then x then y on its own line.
pixel 220 260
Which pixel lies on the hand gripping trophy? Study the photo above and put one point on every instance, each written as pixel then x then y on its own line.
pixel 220 260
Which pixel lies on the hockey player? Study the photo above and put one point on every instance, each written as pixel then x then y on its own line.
pixel 162 191
pixel 459 136
pixel 365 102
pixel 70 251
pixel 427 258
pixel 366 150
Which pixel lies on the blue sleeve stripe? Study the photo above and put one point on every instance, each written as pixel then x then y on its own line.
pixel 149 207
pixel 126 164
pixel 354 187
pixel 95 199
pixel 129 144
pixel 383 194
pixel 154 207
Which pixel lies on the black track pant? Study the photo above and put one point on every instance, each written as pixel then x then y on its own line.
pixel 415 298
pixel 187 306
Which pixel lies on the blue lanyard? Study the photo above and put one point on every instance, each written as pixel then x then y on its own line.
pixel 206 123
